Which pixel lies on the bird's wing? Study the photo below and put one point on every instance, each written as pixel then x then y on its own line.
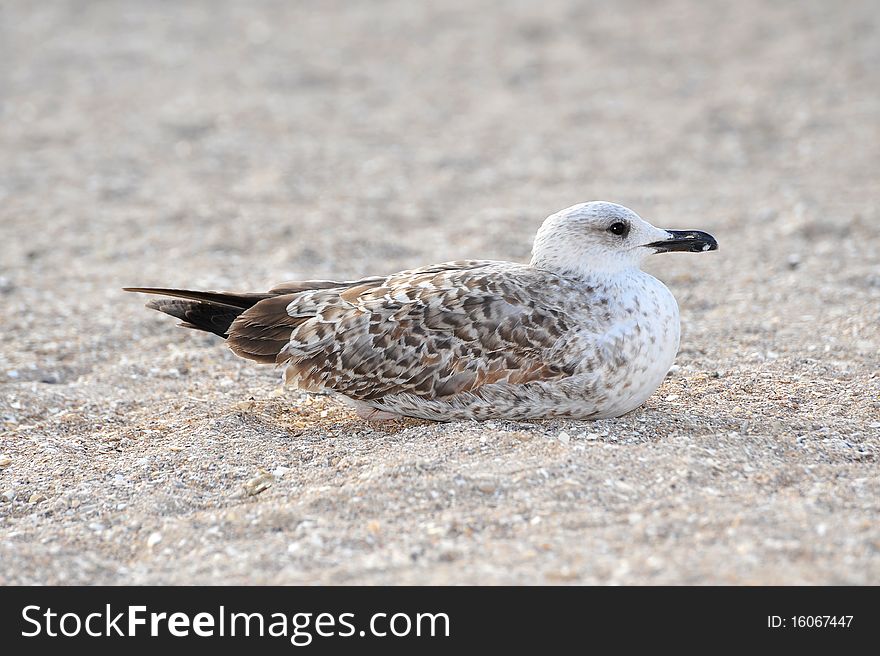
pixel 432 332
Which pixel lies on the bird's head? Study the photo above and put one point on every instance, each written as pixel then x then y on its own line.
pixel 601 237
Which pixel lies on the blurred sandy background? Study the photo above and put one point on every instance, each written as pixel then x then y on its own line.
pixel 233 145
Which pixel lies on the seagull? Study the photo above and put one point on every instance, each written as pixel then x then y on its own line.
pixel 579 332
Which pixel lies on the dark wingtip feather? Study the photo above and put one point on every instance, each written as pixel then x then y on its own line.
pixel 209 317
pixel 263 332
pixel 212 312
pixel 231 299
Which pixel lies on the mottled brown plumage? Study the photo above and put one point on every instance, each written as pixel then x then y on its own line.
pixel 433 332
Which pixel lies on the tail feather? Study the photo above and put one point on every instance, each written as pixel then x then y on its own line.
pixel 212 312
pixel 212 318
pixel 257 326
pixel 243 301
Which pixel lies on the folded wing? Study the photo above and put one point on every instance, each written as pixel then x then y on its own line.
pixel 433 332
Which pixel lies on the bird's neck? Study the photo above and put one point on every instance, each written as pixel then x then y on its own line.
pixel 607 271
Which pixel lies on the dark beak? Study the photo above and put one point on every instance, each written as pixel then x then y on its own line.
pixel 691 241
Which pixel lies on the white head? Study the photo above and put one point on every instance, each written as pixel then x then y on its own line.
pixel 600 237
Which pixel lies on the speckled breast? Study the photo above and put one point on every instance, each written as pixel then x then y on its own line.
pixel 647 336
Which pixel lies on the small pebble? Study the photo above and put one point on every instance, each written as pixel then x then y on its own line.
pixel 258 484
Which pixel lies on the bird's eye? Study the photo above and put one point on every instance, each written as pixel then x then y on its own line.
pixel 619 228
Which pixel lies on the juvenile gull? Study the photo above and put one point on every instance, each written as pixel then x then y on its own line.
pixel 578 332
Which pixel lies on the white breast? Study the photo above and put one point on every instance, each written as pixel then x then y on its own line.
pixel 650 343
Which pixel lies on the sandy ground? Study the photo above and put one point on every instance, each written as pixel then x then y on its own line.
pixel 231 146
